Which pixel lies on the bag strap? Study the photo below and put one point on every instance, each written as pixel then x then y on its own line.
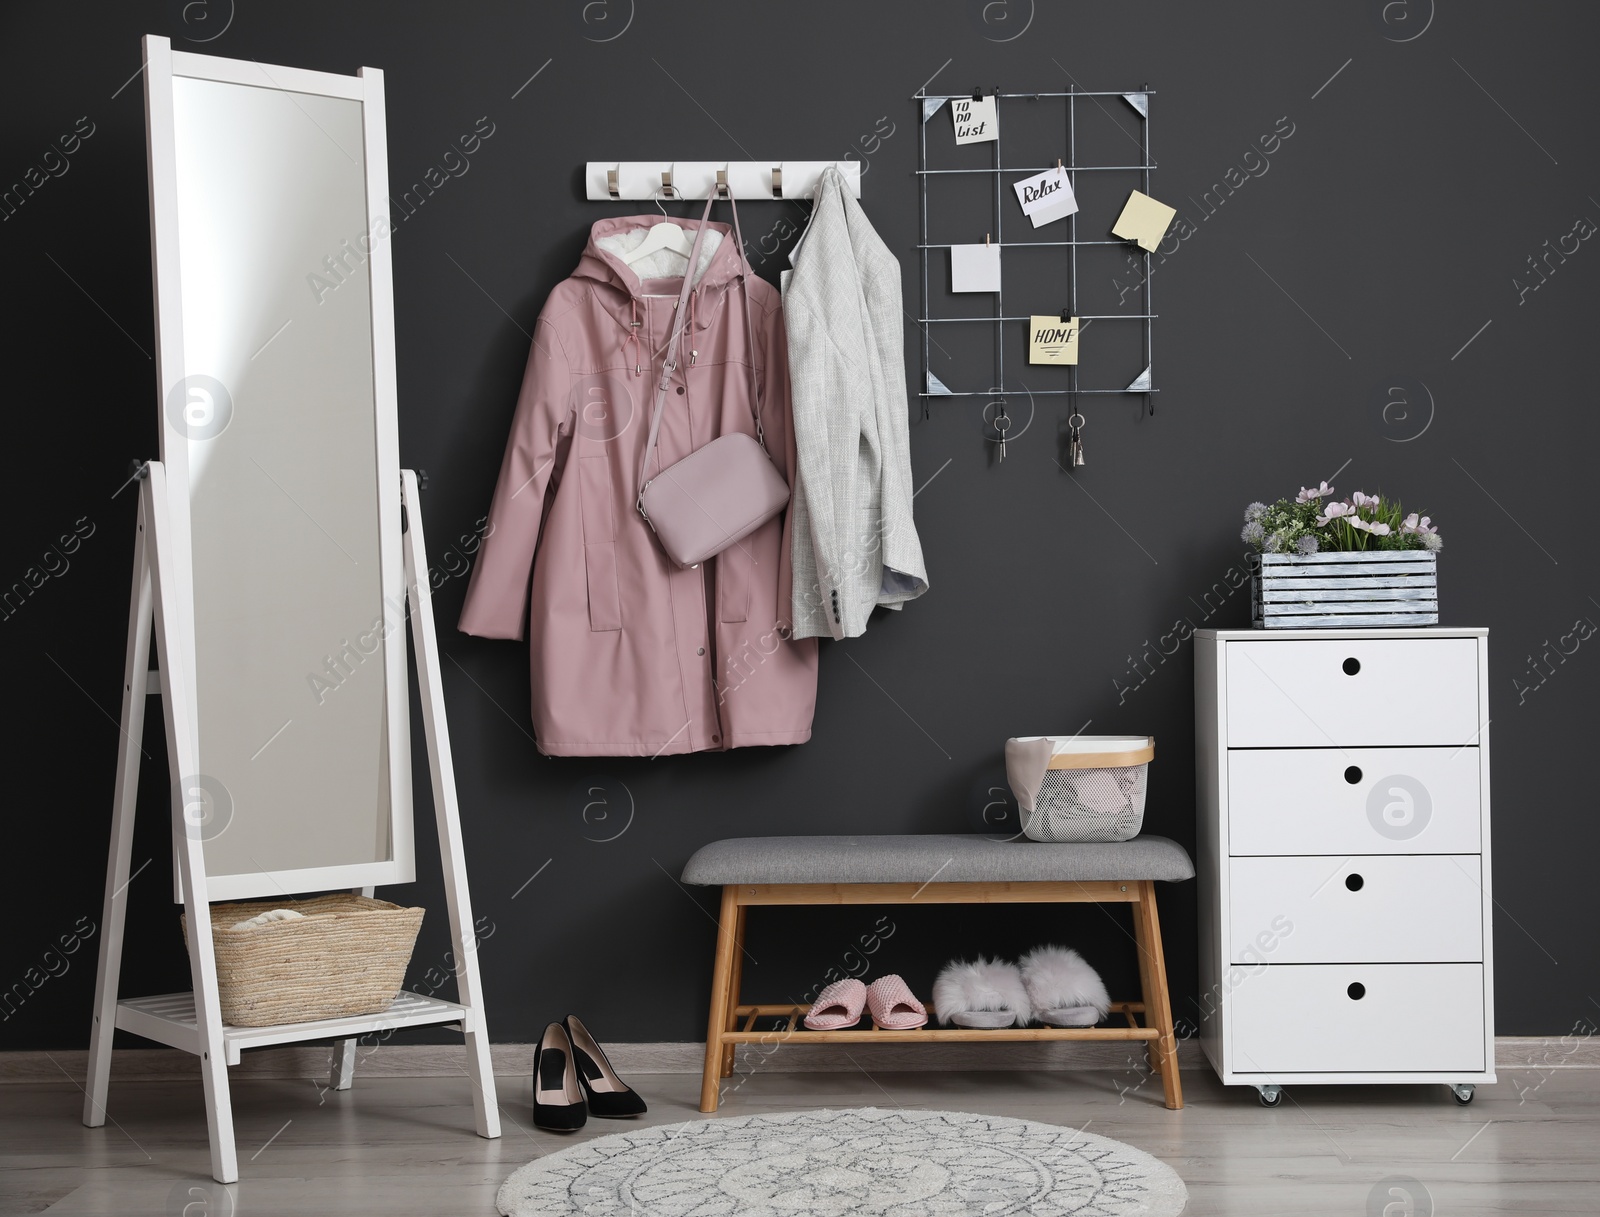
pixel 674 348
pixel 745 272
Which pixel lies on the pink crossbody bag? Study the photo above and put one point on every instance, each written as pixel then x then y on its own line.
pixel 720 493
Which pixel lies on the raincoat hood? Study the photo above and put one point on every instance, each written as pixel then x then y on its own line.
pixel 618 287
pixel 610 241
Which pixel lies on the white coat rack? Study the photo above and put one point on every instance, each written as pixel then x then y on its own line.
pixel 616 180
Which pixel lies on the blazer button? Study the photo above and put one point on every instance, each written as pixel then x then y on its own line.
pixel 680 390
pixel 700 650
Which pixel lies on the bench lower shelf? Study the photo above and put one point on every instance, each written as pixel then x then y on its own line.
pixel 794 1032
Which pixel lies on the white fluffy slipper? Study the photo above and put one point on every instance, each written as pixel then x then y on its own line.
pixel 984 993
pixel 1062 988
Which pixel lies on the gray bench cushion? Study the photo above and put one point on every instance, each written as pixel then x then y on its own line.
pixel 926 858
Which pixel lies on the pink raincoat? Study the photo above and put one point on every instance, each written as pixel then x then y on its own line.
pixel 632 656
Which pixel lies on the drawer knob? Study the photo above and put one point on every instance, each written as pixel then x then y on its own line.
pixel 1354 882
pixel 1353 774
pixel 1352 666
pixel 1357 990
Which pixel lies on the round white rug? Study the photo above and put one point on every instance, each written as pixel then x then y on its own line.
pixel 861 1161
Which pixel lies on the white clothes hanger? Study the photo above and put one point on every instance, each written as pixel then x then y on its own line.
pixel 665 235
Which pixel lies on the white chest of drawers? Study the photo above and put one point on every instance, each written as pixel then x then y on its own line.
pixel 1345 909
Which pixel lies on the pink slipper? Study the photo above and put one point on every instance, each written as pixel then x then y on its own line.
pixel 893 1006
pixel 838 1006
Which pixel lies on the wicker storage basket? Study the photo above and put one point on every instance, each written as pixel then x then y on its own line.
pixel 1080 787
pixel 346 955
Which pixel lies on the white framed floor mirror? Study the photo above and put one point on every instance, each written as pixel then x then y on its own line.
pixel 279 558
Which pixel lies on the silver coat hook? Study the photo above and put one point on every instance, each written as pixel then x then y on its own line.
pixel 611 184
pixel 723 192
pixel 777 182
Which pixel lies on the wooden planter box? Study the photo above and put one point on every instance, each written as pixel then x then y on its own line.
pixel 1316 591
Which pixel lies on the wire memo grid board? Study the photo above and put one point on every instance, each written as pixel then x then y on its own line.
pixel 1123 166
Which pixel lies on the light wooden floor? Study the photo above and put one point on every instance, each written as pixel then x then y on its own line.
pixel 395 1147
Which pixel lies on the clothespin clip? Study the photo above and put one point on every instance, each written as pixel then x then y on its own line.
pixel 985 238
pixel 1066 314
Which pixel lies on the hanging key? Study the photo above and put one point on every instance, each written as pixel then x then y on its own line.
pixel 1075 441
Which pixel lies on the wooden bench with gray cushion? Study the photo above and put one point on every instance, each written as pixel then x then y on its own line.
pixel 933 869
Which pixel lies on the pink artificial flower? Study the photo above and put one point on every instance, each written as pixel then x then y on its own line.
pixel 1335 511
pixel 1420 525
pixel 1364 500
pixel 1377 529
pixel 1307 496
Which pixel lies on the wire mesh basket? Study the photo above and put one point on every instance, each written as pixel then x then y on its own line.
pixel 1080 787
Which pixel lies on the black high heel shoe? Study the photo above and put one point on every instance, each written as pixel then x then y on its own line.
pixel 609 1096
pixel 557 1099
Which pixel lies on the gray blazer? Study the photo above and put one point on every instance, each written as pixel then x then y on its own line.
pixel 854 543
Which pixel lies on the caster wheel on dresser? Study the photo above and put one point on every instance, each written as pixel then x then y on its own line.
pixel 1463 1092
pixel 1270 1096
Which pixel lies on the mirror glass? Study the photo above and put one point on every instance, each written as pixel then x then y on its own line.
pixel 277 419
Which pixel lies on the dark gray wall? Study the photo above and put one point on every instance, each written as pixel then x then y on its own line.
pixel 1429 160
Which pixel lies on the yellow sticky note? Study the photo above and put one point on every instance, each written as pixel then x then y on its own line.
pixel 1143 220
pixel 1052 340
